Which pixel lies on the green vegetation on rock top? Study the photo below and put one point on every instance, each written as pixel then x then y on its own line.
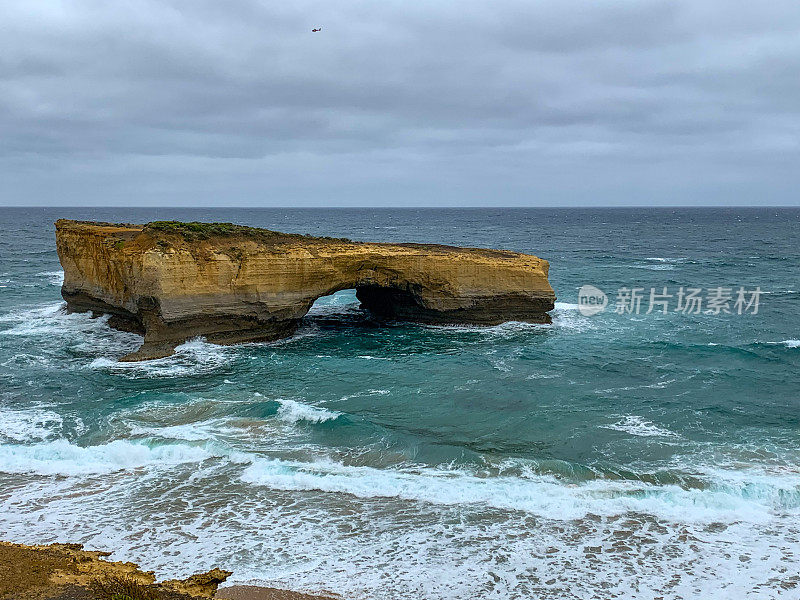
pixel 196 230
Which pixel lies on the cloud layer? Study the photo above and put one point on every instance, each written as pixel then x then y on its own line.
pixel 513 102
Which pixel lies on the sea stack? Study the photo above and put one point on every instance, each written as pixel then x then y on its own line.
pixel 172 281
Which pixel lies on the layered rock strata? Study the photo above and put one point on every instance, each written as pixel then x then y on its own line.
pixel 172 281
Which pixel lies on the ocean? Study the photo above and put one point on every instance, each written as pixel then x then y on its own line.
pixel 625 454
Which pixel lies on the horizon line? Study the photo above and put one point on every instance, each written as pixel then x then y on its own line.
pixel 413 207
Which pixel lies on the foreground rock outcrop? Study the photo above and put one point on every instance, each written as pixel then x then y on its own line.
pixel 172 281
pixel 67 571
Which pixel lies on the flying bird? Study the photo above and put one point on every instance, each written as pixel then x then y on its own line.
pixel 316 30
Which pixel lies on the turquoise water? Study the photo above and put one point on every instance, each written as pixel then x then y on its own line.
pixel 627 456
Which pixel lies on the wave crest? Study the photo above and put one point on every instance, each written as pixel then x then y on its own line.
pixel 60 457
pixel 725 499
pixel 291 411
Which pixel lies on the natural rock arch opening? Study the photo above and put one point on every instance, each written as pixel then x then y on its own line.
pixel 338 303
pixel 383 303
pixel 395 303
pixel 377 302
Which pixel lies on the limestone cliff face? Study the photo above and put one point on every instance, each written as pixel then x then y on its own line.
pixel 173 281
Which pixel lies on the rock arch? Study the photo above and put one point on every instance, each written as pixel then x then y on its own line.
pixel 172 281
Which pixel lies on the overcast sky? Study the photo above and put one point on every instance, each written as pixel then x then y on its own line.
pixel 437 103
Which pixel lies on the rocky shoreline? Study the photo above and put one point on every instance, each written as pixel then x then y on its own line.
pixel 68 572
pixel 172 281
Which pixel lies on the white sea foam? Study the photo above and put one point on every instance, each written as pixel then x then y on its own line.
pixel 791 343
pixel 501 362
pixel 55 329
pixel 567 317
pixel 306 330
pixel 543 376
pixel 639 426
pixel 190 432
pixel 61 457
pixel 566 306
pixel 191 358
pixel 35 315
pixel 543 496
pixel 662 267
pixel 503 331
pixel 291 411
pixel 53 277
pixel 656 263
pixel 658 385
pixel 323 526
pixel 437 555
pixel 366 393
pixel 29 425
pixel 787 343
pixel 660 259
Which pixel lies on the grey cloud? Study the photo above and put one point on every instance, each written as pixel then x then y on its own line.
pixel 509 102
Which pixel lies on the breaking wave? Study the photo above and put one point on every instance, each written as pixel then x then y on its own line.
pixel 61 457
pixel 291 411
pixel 728 498
pixel 639 426
pixel 788 343
pixel 29 425
pixel 194 357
